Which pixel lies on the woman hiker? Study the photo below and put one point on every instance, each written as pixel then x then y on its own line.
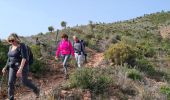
pixel 65 50
pixel 18 66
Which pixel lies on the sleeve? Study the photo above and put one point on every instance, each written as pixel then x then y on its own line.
pixel 72 50
pixel 23 51
pixel 6 66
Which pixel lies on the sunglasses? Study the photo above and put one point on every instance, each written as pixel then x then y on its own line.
pixel 11 40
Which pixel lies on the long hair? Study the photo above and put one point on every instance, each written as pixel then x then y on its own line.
pixel 13 36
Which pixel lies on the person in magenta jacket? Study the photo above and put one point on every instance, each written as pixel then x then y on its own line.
pixel 65 50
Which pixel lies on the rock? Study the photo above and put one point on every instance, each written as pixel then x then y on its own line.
pixel 87 96
pixel 63 93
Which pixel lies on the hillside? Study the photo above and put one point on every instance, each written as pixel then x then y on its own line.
pixel 126 60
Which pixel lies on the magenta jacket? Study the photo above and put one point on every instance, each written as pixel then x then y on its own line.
pixel 65 48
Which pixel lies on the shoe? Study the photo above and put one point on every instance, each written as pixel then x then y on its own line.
pixel 11 98
pixel 37 92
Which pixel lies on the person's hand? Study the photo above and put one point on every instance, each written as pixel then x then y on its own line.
pixel 4 71
pixel 19 73
pixel 56 58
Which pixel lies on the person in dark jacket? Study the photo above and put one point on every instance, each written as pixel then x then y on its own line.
pixel 18 66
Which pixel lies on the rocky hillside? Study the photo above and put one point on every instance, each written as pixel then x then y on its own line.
pixel 127 59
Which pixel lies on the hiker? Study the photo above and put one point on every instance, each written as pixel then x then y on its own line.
pixel 37 42
pixel 65 50
pixel 79 51
pixel 43 47
pixel 18 66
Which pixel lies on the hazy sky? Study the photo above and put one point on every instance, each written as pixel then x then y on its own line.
pixel 28 17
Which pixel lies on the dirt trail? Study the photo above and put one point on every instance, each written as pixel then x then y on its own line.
pixel 95 60
pixel 55 78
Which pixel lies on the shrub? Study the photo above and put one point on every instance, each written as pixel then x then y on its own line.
pixel 89 36
pixel 36 50
pixel 115 38
pixel 121 53
pixel 165 90
pixel 148 50
pixel 92 44
pixel 145 66
pixel 3 55
pixel 134 74
pixel 98 36
pixel 37 66
pixel 93 79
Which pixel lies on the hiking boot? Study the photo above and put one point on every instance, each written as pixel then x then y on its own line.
pixel 37 92
pixel 66 77
pixel 11 98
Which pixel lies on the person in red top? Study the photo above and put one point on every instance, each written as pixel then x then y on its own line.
pixel 65 49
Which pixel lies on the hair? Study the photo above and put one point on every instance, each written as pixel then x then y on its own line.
pixel 14 36
pixel 75 37
pixel 64 36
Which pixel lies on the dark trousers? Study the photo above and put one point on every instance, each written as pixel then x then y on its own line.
pixel 24 79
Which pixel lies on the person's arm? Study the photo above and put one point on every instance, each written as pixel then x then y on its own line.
pixel 6 66
pixel 24 56
pixel 7 62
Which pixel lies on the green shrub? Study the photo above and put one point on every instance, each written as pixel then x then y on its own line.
pixel 3 55
pixel 91 78
pixel 147 49
pixel 150 52
pixel 36 50
pixel 89 36
pixel 92 43
pixel 134 74
pixel 115 38
pixel 145 66
pixel 165 90
pixel 37 66
pixel 121 53
pixel 165 45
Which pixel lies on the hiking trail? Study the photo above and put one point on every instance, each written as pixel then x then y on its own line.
pixel 55 77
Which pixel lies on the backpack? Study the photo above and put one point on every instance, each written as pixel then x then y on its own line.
pixel 83 43
pixel 30 57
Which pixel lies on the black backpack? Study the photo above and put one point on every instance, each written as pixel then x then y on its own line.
pixel 30 57
pixel 83 43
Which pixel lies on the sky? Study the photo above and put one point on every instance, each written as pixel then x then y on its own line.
pixel 30 17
